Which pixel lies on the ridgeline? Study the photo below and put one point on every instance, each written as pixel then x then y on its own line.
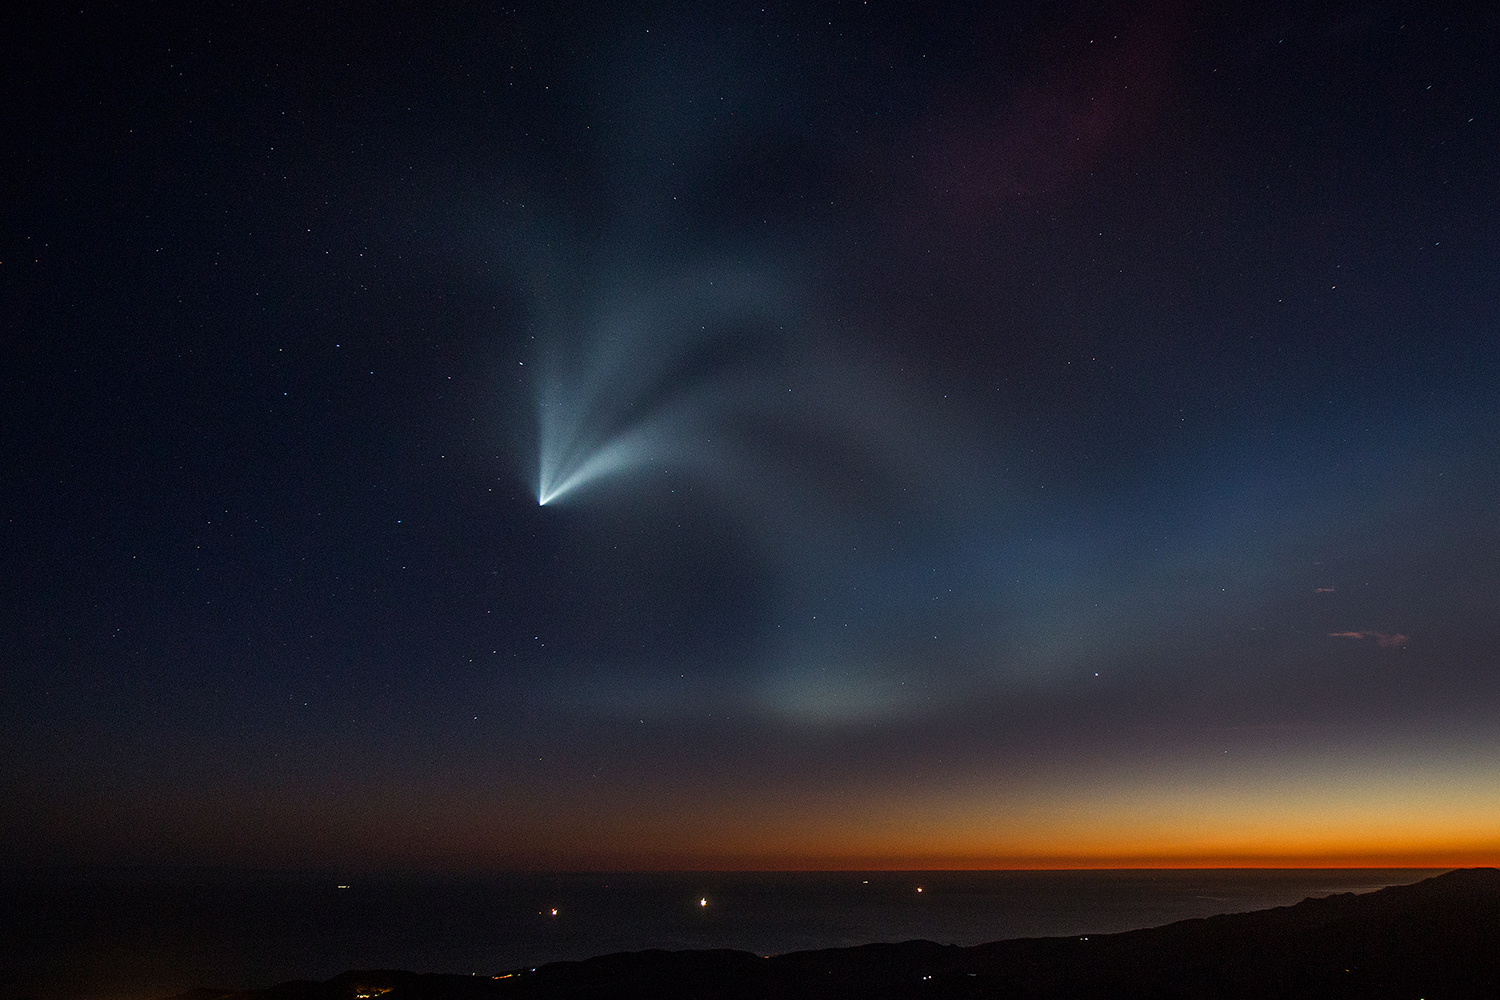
pixel 1438 939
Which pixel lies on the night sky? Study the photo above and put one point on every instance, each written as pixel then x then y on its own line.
pixel 874 435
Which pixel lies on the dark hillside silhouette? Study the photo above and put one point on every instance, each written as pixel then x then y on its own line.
pixel 1438 939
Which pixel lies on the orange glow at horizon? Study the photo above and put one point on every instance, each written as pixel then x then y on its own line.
pixel 1333 812
pixel 1338 808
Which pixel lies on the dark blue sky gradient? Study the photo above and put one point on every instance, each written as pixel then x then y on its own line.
pixel 1058 436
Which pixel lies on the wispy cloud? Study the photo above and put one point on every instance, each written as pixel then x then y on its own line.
pixel 1382 638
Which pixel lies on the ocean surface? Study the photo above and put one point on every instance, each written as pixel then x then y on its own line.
pixel 137 935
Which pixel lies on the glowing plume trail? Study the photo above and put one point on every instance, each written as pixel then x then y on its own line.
pixel 648 379
pixel 558 479
pixel 719 374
